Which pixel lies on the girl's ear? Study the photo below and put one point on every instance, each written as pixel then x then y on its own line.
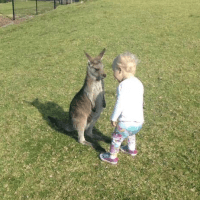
pixel 120 70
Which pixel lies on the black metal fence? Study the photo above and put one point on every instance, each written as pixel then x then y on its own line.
pixel 22 8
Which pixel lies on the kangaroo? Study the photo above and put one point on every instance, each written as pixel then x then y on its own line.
pixel 88 103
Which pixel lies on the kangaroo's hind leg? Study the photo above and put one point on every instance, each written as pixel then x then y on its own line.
pixel 89 130
pixel 80 127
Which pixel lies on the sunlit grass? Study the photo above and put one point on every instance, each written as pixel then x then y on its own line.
pixel 43 65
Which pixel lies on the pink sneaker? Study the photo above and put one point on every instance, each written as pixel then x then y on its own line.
pixel 125 149
pixel 106 157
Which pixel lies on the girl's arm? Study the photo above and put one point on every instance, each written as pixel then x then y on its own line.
pixel 118 105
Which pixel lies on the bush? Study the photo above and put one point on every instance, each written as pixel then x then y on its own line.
pixel 3 1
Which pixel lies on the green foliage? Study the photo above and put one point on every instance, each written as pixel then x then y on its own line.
pixel 43 65
pixel 3 1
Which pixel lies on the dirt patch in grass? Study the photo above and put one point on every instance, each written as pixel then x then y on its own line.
pixel 5 21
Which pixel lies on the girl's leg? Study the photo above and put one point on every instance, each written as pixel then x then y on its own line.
pixel 131 147
pixel 117 140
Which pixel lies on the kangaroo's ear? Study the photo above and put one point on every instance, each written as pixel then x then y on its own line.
pixel 88 56
pixel 100 56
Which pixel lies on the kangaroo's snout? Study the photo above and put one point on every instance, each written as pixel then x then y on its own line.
pixel 101 76
pixel 104 75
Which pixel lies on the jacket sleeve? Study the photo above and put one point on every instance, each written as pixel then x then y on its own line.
pixel 118 105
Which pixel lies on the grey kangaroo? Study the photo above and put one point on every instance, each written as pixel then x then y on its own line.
pixel 88 103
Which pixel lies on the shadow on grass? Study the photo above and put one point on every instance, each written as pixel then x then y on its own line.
pixel 54 110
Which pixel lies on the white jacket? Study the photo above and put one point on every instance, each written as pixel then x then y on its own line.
pixel 129 104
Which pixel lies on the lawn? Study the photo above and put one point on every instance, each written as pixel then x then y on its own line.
pixel 42 67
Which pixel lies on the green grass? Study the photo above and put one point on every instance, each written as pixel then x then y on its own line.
pixel 6 9
pixel 43 58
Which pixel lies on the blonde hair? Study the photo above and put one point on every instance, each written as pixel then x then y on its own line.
pixel 126 61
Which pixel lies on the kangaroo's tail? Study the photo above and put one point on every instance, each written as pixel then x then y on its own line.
pixel 60 124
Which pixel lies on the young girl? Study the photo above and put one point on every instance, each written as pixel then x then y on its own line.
pixel 127 117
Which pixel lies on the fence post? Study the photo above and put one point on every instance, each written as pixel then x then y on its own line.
pixel 13 7
pixel 54 4
pixel 36 7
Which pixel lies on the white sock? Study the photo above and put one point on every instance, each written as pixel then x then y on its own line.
pixel 132 142
pixel 113 156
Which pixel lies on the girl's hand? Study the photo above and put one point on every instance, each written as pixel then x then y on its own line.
pixel 113 123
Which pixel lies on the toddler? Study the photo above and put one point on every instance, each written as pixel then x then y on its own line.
pixel 127 117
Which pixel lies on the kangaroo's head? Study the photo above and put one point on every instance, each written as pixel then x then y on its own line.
pixel 95 66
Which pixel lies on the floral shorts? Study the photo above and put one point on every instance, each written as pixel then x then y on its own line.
pixel 126 129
